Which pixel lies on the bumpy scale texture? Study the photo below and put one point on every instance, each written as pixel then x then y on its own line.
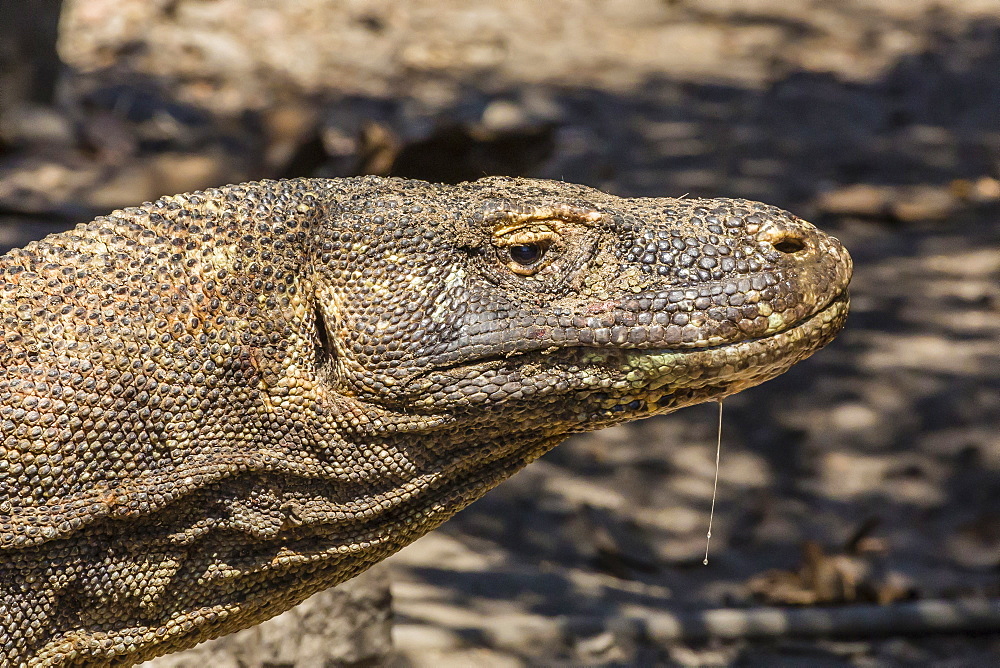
pixel 219 403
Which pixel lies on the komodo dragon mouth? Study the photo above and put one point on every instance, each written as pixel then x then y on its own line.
pixel 623 384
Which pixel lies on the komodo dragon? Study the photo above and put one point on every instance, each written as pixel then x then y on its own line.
pixel 219 403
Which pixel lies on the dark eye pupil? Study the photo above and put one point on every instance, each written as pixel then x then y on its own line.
pixel 525 253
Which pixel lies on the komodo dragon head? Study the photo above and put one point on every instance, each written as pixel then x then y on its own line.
pixel 219 403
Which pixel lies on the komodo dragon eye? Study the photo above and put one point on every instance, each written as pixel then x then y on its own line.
pixel 527 250
pixel 526 254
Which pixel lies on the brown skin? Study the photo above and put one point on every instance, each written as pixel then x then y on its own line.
pixel 217 404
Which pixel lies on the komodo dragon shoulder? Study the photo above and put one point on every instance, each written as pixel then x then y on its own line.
pixel 219 403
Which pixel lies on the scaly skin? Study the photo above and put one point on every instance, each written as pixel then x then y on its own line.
pixel 219 403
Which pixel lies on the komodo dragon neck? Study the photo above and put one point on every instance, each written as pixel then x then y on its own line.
pixel 219 403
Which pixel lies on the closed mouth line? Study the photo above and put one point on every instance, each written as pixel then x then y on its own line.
pixel 502 359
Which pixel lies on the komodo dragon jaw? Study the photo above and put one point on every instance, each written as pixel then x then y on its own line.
pixel 219 403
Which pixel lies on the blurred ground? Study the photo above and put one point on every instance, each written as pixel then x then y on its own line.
pixel 870 473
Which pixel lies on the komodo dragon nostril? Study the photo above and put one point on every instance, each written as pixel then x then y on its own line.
pixel 783 239
pixel 789 244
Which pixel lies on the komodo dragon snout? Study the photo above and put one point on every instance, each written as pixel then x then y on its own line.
pixel 219 403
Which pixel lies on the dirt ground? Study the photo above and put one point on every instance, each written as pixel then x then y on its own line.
pixel 869 474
